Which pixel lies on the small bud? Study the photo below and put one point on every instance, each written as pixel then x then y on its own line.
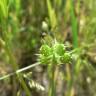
pixel 66 58
pixel 2 42
pixel 88 79
pixel 59 49
pixel 45 50
pixel 44 26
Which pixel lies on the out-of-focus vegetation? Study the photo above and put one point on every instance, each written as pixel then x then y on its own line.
pixel 47 47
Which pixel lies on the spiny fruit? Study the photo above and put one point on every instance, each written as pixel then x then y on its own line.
pixel 59 49
pixel 55 54
pixel 66 58
pixel 45 50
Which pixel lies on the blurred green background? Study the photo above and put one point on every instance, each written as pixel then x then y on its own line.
pixel 27 24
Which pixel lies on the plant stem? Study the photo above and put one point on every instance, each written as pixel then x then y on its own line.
pixel 75 45
pixel 52 87
pixel 19 71
pixel 74 25
pixel 70 82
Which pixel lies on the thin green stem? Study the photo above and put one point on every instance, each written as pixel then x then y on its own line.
pixel 70 81
pixel 19 71
pixel 74 25
pixel 52 85
pixel 75 45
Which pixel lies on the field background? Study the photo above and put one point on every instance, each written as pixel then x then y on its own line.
pixel 26 24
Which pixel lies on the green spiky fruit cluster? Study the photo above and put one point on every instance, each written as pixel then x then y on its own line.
pixel 55 54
